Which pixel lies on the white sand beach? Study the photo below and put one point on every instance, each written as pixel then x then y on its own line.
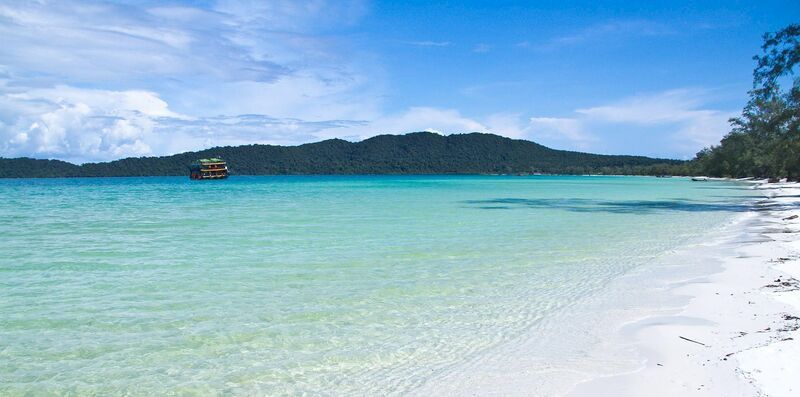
pixel 738 335
pixel 718 318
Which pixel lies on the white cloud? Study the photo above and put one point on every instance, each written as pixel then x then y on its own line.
pixel 482 48
pixel 245 129
pixel 87 124
pixel 681 115
pixel 704 129
pixel 564 132
pixel 486 90
pixel 443 121
pixel 144 102
pixel 609 30
pixel 101 41
pixel 280 61
pixel 301 95
pixel 668 106
pixel 293 15
pixel 79 124
pixel 428 43
pixel 682 109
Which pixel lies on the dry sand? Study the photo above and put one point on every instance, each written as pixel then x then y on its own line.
pixel 718 318
pixel 740 326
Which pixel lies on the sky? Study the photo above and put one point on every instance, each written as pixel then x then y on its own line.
pixel 86 81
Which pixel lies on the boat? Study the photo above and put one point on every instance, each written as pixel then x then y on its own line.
pixel 213 168
pixel 700 178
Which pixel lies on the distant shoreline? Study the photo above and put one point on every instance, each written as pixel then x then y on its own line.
pixel 413 153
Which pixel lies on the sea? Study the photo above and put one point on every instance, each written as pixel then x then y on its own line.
pixel 324 285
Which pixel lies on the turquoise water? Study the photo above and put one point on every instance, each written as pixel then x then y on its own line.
pixel 320 285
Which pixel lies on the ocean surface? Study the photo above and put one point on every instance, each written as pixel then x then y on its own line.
pixel 318 285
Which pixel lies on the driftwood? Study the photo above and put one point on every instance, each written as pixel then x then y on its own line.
pixel 690 340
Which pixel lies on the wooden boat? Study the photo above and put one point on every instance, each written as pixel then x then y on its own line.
pixel 213 168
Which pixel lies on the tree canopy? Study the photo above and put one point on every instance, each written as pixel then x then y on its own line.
pixel 765 140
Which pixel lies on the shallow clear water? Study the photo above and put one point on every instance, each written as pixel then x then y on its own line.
pixel 321 285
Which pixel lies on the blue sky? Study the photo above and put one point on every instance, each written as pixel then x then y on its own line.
pixel 91 81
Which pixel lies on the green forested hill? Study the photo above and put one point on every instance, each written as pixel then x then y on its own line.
pixel 415 153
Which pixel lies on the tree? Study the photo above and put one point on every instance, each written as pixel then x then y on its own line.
pixel 765 139
pixel 781 108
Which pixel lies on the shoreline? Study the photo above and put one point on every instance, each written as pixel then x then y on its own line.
pixel 712 317
pixel 738 335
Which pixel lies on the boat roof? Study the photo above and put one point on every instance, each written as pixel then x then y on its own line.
pixel 211 160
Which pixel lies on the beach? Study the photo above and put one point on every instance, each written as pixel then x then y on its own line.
pixel 715 318
pixel 738 335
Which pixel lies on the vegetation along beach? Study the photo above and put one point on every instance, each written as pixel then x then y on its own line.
pixel 370 198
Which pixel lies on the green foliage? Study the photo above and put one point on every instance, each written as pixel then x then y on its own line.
pixel 765 140
pixel 32 168
pixel 415 153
